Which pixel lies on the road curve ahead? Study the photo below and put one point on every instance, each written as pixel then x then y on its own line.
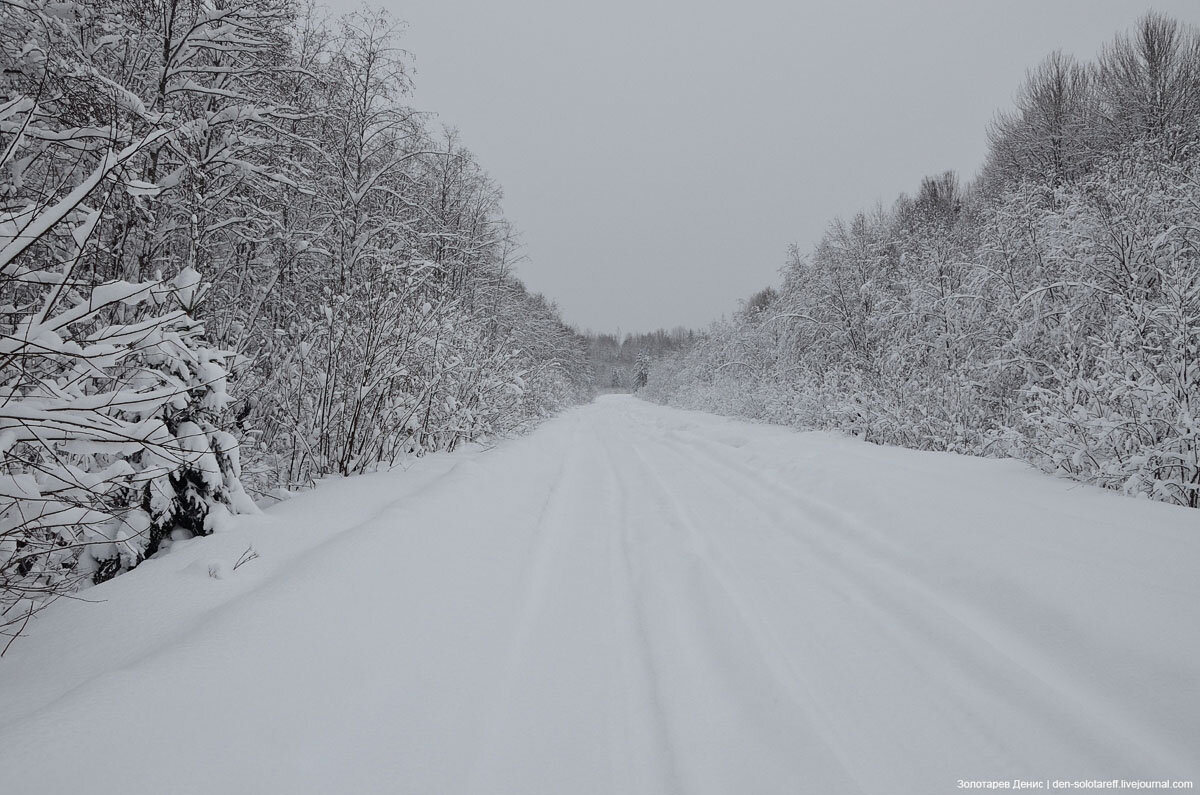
pixel 635 599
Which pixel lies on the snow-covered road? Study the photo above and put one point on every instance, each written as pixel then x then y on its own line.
pixel 634 599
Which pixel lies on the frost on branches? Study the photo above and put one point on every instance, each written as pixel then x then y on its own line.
pixel 109 394
pixel 359 288
pixel 1048 311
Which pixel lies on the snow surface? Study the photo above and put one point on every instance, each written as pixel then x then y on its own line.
pixel 633 599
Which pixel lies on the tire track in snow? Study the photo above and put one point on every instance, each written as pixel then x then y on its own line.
pixel 768 655
pixel 649 757
pixel 706 616
pixel 787 670
pixel 536 577
pixel 908 612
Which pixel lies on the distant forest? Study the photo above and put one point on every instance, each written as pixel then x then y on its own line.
pixel 621 362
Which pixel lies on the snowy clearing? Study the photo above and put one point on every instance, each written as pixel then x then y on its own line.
pixel 634 599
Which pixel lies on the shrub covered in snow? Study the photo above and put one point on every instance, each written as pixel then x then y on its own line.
pixel 230 254
pixel 1050 311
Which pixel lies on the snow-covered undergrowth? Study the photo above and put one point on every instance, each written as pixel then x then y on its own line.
pixel 633 599
pixel 233 260
pixel 1049 309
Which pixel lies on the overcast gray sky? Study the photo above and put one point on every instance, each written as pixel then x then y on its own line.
pixel 658 157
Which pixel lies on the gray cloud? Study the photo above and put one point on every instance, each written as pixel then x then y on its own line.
pixel 659 156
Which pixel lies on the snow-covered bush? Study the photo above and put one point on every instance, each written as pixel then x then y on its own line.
pixel 109 391
pixel 1118 402
pixel 1050 311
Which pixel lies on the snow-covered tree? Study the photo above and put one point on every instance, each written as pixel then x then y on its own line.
pixel 101 377
pixel 230 253
pixel 1047 311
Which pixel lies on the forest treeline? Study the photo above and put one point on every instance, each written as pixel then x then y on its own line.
pixel 1048 310
pixel 621 362
pixel 234 260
